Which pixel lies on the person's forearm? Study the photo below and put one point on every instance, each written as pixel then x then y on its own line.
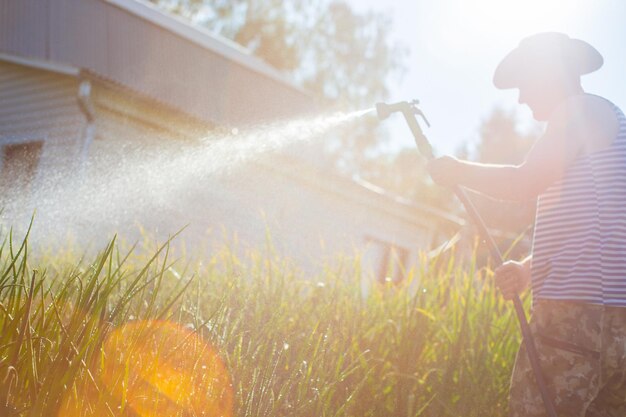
pixel 499 181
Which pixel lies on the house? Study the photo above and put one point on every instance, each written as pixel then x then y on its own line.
pixel 110 111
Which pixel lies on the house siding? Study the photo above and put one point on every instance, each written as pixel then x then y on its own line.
pixel 40 105
pixel 24 27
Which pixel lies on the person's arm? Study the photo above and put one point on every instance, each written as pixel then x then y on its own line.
pixel 545 163
pixel 498 181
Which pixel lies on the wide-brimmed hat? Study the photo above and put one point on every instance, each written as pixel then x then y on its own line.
pixel 543 53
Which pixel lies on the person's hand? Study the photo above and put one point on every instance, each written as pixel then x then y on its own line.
pixel 444 170
pixel 512 278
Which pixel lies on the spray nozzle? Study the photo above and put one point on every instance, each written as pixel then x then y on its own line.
pixel 384 110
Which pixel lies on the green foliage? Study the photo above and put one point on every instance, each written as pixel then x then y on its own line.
pixel 53 319
pixel 440 344
pixel 501 141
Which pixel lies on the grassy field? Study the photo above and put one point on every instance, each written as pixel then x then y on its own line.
pixel 131 333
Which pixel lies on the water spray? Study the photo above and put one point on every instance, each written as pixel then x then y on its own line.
pixel 410 110
pixel 120 189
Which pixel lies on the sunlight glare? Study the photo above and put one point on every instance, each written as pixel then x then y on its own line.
pixel 151 369
pixel 506 21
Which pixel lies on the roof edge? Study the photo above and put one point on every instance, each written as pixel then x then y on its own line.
pixel 311 174
pixel 426 208
pixel 56 67
pixel 202 37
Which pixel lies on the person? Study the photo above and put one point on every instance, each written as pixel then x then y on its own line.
pixel 577 266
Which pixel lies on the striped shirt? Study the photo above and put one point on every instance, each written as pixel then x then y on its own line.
pixel 579 244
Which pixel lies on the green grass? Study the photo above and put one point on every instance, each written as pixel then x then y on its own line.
pixel 440 344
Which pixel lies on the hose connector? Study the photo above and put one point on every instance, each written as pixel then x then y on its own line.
pixel 384 110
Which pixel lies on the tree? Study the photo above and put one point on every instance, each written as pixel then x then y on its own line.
pixel 501 142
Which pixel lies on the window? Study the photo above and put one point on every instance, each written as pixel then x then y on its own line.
pixel 19 165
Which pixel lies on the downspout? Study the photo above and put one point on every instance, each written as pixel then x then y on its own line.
pixel 86 107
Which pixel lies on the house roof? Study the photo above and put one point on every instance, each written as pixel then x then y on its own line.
pixel 132 43
pixel 204 38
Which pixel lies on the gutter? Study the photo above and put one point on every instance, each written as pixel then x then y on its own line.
pixel 41 64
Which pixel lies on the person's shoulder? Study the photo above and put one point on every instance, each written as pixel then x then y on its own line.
pixel 583 106
pixel 588 117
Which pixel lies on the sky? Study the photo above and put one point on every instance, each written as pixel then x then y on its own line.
pixel 455 45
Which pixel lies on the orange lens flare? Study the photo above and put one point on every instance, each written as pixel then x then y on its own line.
pixel 153 369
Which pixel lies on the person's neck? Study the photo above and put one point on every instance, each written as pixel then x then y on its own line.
pixel 568 92
pixel 574 90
